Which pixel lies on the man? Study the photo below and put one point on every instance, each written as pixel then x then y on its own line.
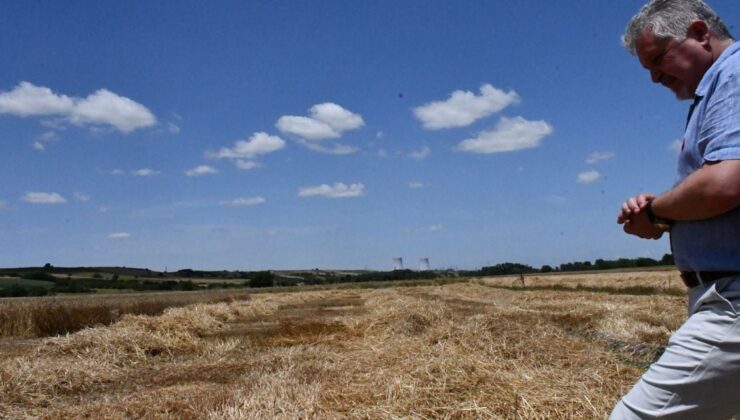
pixel 686 48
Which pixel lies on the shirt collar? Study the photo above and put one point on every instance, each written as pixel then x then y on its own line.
pixel 709 76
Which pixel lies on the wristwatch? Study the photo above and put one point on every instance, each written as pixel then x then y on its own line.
pixel 654 219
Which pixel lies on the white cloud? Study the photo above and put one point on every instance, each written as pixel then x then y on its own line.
pixel 246 165
pixel 258 144
pixel 510 134
pixel 326 121
pixel 39 146
pixel 201 170
pixel 338 190
pixel 43 198
pixel 144 172
pixel 434 228
pixel 29 100
pixel 305 127
pixel 102 107
pixel 675 145
pixel 54 124
pixel 382 153
pixel 336 117
pixel 463 108
pixel 245 201
pixel 172 127
pixel 81 197
pixel 415 185
pixel 589 177
pixel 334 149
pixel 596 157
pixel 119 235
pixel 117 172
pixel 380 134
pixel 103 209
pixel 421 153
pixel 48 136
pixel 106 107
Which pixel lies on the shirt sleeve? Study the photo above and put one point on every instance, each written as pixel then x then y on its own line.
pixel 720 132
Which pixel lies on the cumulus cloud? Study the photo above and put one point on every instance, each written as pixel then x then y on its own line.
pixel 201 170
pixel 106 107
pixel 245 201
pixel 246 165
pixel 39 146
pixel 306 127
pixel 334 149
pixel 421 153
pixel 325 121
pixel 102 107
pixel 117 172
pixel 172 127
pixel 510 134
pixel 597 157
pixel 28 100
pixel 119 235
pixel 48 136
pixel 81 197
pixel 338 190
pixel 415 185
pixel 43 198
pixel 259 143
pixel 463 108
pixel 588 177
pixel 144 172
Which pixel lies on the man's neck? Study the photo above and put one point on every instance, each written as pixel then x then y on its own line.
pixel 719 46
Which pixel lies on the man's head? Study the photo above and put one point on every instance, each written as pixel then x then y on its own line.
pixel 677 41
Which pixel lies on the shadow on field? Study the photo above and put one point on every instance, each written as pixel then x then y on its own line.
pixel 308 322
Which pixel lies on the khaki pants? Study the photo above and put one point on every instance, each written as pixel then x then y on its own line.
pixel 698 376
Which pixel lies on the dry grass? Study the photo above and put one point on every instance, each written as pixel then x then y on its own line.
pixel 48 316
pixel 635 282
pixel 462 350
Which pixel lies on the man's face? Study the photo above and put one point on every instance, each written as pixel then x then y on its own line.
pixel 677 65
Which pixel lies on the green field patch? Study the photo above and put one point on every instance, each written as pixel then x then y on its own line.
pixel 9 281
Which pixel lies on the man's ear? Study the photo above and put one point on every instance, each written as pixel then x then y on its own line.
pixel 699 31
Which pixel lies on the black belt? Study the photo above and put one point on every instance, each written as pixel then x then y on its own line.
pixel 695 278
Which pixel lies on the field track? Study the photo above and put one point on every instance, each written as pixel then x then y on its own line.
pixel 490 348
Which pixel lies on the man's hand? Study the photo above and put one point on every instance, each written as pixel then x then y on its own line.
pixel 635 220
pixel 633 206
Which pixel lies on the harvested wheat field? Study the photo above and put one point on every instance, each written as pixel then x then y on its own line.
pixel 463 350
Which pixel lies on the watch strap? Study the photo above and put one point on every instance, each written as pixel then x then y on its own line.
pixel 655 219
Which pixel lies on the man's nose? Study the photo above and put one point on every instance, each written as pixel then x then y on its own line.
pixel 655 74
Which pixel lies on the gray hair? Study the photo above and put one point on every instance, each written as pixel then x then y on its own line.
pixel 671 19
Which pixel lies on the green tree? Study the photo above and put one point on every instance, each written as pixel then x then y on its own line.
pixel 262 279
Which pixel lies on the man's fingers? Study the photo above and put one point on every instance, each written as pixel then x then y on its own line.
pixel 622 218
pixel 644 199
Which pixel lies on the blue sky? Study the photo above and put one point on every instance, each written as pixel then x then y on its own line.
pixel 332 134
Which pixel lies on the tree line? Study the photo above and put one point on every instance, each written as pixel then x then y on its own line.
pixel 600 264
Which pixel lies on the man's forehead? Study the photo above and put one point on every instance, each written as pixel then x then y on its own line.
pixel 648 44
